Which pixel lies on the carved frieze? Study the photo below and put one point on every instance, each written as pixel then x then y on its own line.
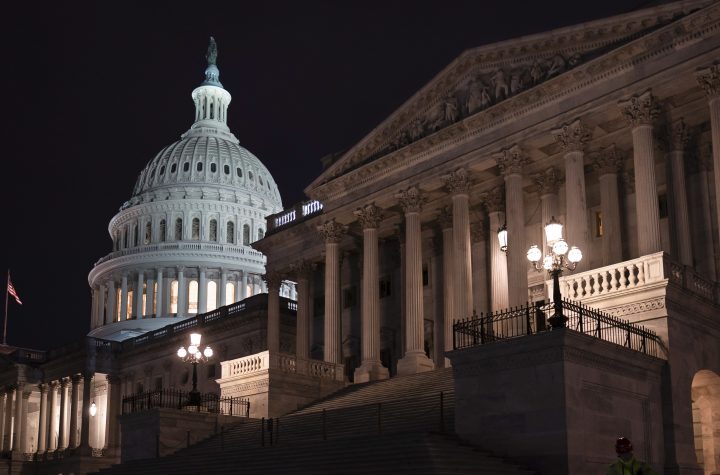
pixel 411 200
pixel 607 161
pixel 640 109
pixel 511 161
pixel 369 216
pixel 332 231
pixel 709 80
pixel 548 182
pixel 573 136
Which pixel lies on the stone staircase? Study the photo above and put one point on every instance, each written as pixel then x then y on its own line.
pixel 402 425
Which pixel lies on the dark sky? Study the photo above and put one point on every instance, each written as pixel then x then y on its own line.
pixel 91 92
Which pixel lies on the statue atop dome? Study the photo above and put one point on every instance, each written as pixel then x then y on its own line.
pixel 212 52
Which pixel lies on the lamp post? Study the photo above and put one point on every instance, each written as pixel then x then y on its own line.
pixel 561 256
pixel 194 355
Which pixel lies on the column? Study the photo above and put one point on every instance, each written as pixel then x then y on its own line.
pixel 303 271
pixel 23 440
pixel 678 140
pixel 101 305
pixel 414 360
pixel 51 442
pixel 112 425
pixel 3 402
pixel 74 403
pixel 8 426
pixel 62 429
pixel 511 162
pixel 112 302
pixel 243 286
pixel 495 203
pixel 182 292
pixel 94 312
pixel 17 423
pixel 42 419
pixel 709 80
pixel 222 291
pixel 150 296
pixel 548 184
pixel 702 217
pixel 123 298
pixel 572 138
pixel 202 290
pixel 332 232
pixel 640 111
pixel 85 417
pixel 370 369
pixel 458 184
pixel 608 163
pixel 138 299
pixel 273 279
pixel 161 293
pixel 445 218
pixel 479 235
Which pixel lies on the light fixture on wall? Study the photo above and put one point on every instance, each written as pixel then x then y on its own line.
pixel 93 406
pixel 561 256
pixel 502 237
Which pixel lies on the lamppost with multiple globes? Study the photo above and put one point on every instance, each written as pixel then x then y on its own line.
pixel 195 355
pixel 562 256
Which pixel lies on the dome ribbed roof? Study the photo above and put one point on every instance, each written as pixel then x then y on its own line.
pixel 203 160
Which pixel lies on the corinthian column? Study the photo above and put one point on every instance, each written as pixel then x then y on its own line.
pixel 52 416
pixel 709 80
pixel 123 298
pixel 17 422
pixel 415 360
pixel 371 368
pixel 181 292
pixel 74 404
pixel 678 143
pixel 160 294
pixel 111 302
pixel 700 170
pixel 202 290
pixel 495 203
pixel 608 163
pixel 273 279
pixel 62 426
pixel 42 419
pixel 640 111
pixel 303 271
pixel 332 232
pixel 572 138
pixel 445 218
pixel 139 295
pixel 511 162
pixel 458 184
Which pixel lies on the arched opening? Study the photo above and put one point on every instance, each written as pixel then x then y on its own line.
pixel 196 229
pixel 193 297
pixel 261 234
pixel 148 232
pixel 135 235
pixel 229 293
pixel 213 230
pixel 162 230
pixel 246 235
pixel 178 229
pixel 174 297
pixel 211 295
pixel 706 420
pixel 130 303
pixel 230 233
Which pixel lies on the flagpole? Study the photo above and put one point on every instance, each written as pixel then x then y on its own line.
pixel 7 288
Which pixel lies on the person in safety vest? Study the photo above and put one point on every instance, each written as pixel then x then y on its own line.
pixel 627 464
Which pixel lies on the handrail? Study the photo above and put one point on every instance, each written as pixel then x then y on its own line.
pixel 532 319
pixel 177 399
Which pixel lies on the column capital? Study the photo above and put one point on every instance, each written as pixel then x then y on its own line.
pixel 202 269
pixel 494 200
pixel 43 388
pixel 76 378
pixel 332 231
pixel 302 269
pixel 457 182
pixel 573 136
pixel 369 216
pixel 548 182
pixel 607 160
pixel 511 160
pixel 53 384
pixel 640 109
pixel 709 80
pixel 26 394
pixel 678 135
pixel 273 279
pixel 180 268
pixel 445 217
pixel 411 200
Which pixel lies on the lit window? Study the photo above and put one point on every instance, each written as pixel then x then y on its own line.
pixel 230 232
pixel 118 299
pixel 195 229
pixel 598 224
pixel 211 295
pixel 213 230
pixel 128 313
pixel 193 297
pixel 174 296
pixel 229 293
pixel 154 302
pixel 144 300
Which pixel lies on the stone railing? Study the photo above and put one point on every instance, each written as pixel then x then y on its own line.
pixel 264 361
pixel 296 214
pixel 228 249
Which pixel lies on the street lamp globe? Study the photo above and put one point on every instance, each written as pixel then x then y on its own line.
pixel 182 352
pixel 534 254
pixel 548 263
pixel 192 349
pixel 208 352
pixel 560 247
pixel 575 255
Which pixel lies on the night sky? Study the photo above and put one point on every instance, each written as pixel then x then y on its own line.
pixel 91 93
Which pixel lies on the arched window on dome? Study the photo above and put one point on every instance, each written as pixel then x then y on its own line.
pixel 199 166
pixel 226 169
pixel 193 296
pixel 148 232
pixel 196 229
pixel 173 167
pixel 213 167
pixel 162 170
pixel 174 297
pixel 178 229
pixel 261 234
pixel 212 110
pixel 163 231
pixel 211 296
pixel 135 235
pixel 230 232
pixel 126 236
pixel 213 230
pixel 246 235
pixel 238 170
pixel 229 294
pixel 186 166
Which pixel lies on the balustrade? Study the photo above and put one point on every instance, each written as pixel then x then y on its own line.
pixel 286 363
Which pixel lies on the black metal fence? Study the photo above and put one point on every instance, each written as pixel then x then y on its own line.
pixel 531 319
pixel 176 399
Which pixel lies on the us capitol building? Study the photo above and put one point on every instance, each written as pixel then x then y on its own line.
pixel 410 258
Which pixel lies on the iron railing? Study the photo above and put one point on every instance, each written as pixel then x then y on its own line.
pixel 177 399
pixel 531 319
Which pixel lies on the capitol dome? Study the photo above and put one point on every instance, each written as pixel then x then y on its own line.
pixel 181 243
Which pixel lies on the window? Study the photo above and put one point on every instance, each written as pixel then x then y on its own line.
pixel 135 235
pixel 178 229
pixel 152 173
pixel 193 297
pixel 239 172
pixel 211 295
pixel 154 302
pixel 226 169
pixel 261 234
pixel 174 296
pixel 246 235
pixel 195 229
pixel 162 170
pixel 260 180
pixel 213 230
pixel 125 238
pixel 173 168
pixel 148 232
pixel 130 302
pixel 250 175
pixel 162 230
pixel 144 301
pixel 118 299
pixel 230 232
pixel 213 167
pixel 598 224
pixel 186 166
pixel 199 166
pixel 229 294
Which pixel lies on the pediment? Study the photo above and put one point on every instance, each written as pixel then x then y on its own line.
pixel 484 77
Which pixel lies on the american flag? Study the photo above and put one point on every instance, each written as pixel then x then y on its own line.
pixel 11 290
